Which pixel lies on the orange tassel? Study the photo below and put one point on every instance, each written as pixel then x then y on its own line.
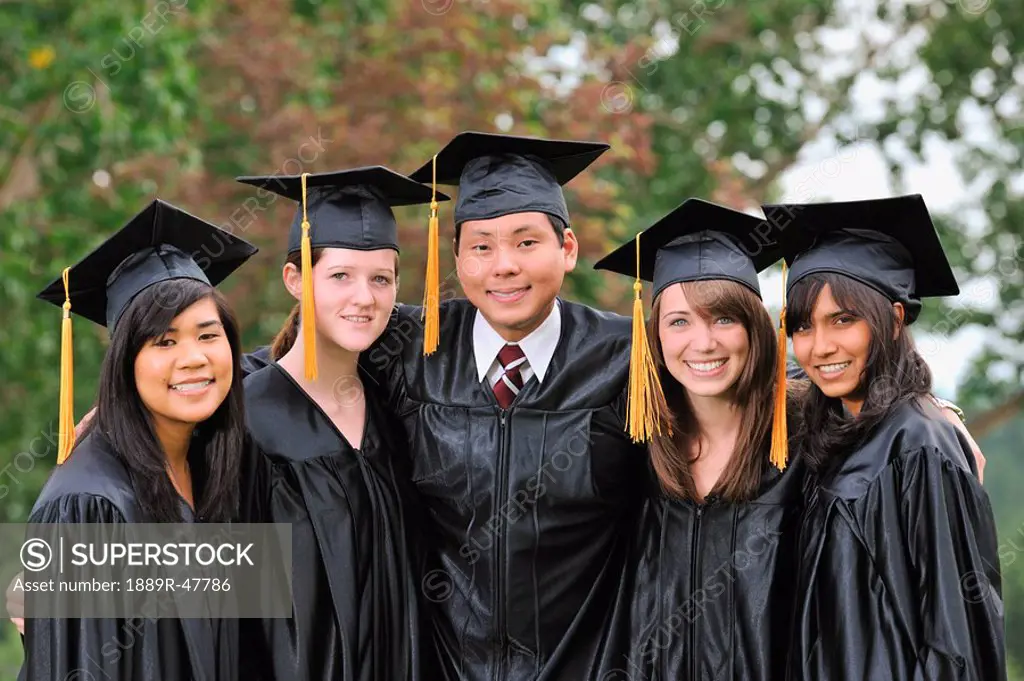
pixel 432 286
pixel 66 418
pixel 780 435
pixel 308 307
pixel 644 384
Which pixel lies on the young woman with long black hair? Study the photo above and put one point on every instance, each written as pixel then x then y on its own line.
pixel 899 570
pixel 165 444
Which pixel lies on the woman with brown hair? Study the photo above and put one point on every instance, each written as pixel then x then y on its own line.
pixel 330 457
pixel 713 582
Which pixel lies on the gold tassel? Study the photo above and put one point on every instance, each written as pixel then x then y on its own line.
pixel 432 286
pixel 644 384
pixel 308 306
pixel 66 423
pixel 780 434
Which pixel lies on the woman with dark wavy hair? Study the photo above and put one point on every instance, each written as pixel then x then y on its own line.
pixel 899 570
pixel 165 445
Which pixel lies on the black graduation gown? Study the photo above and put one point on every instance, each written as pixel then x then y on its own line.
pixel 93 486
pixel 529 508
pixel 714 584
pixel 353 585
pixel 899 570
pixel 254 361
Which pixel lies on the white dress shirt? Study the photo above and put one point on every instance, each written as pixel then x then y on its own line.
pixel 538 347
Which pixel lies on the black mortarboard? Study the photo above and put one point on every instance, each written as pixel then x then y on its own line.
pixel 344 209
pixel 699 240
pixel 347 208
pixel 502 174
pixel 160 243
pixel 888 244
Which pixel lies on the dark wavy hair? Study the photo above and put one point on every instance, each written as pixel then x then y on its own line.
pixel 894 372
pixel 123 419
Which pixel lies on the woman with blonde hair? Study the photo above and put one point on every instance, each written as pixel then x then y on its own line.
pixel 330 457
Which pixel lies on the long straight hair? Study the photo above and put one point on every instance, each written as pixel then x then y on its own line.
pixel 894 372
pixel 671 456
pixel 122 418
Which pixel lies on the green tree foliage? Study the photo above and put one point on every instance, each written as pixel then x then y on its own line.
pixel 737 93
pixel 110 103
pixel 1003 481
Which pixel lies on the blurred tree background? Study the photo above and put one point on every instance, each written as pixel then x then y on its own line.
pixel 110 103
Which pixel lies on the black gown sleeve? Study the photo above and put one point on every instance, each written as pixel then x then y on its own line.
pixel 383 363
pixel 255 661
pixel 92 648
pixel 114 648
pixel 951 541
pixel 254 487
pixel 907 583
pixel 620 406
pixel 255 360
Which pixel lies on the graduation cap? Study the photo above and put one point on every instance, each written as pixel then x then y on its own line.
pixel 502 174
pixel 888 244
pixel 159 244
pixel 499 175
pixel 698 241
pixel 346 208
pixel 342 209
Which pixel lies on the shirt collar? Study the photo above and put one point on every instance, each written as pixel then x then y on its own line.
pixel 539 346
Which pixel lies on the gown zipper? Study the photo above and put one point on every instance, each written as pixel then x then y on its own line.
pixel 499 547
pixel 694 585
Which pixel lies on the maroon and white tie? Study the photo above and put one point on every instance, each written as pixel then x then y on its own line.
pixel 508 386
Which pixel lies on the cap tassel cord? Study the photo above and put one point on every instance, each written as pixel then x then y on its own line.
pixel 66 423
pixel 308 310
pixel 780 435
pixel 432 286
pixel 645 391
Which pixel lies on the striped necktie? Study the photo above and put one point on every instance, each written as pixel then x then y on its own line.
pixel 510 383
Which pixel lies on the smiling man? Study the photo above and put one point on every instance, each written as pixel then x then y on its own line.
pixel 511 268
pixel 516 429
